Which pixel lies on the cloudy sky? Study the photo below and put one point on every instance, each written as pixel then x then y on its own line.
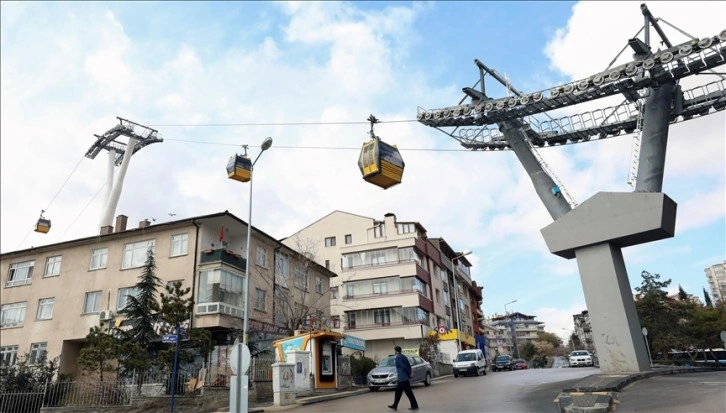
pixel 212 76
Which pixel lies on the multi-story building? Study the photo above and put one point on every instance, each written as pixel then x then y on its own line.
pixel 583 331
pixel 393 286
pixel 519 329
pixel 82 282
pixel 716 276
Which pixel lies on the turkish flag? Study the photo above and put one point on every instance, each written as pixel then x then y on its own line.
pixel 221 234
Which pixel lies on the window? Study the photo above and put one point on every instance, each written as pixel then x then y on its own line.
pixel 301 278
pixel 220 291
pixel 351 320
pixel 334 293
pixel 123 296
pixel 382 316
pixel 318 284
pixel 20 273
pixel 37 353
pixel 92 304
pixel 45 309
pixel 336 321
pixel 179 244
pixel 406 228
pixel 379 231
pixel 8 355
pixel 330 241
pixel 438 295
pixel 260 299
pixel 12 315
pixel 135 253
pixel 261 257
pixel 327 264
pixel 348 239
pixel 350 290
pixel 52 266
pixel 282 270
pixel 380 287
pixel 98 258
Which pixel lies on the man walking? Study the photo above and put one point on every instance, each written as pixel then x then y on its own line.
pixel 403 371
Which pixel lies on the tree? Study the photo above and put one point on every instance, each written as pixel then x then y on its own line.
pixel 176 310
pixel 100 352
pixel 141 342
pixel 658 313
pixel 551 338
pixel 707 298
pixel 527 350
pixel 682 293
pixel 22 384
pixel 429 348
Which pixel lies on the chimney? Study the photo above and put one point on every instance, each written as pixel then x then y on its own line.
pixel 145 223
pixel 106 229
pixel 121 221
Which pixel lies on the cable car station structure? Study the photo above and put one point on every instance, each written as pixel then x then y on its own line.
pixel 596 231
pixel 120 153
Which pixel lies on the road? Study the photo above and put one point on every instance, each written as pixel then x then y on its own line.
pixel 680 393
pixel 523 391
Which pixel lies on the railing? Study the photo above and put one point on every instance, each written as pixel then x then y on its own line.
pixel 387 325
pixel 393 262
pixel 373 295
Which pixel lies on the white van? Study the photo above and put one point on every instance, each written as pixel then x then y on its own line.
pixel 470 362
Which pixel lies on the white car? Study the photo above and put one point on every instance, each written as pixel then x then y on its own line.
pixel 580 358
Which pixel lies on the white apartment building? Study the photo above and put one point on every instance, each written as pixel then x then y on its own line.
pixel 393 284
pixel 518 329
pixel 52 295
pixel 716 276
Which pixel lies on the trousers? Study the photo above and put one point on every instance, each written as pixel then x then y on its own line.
pixel 404 386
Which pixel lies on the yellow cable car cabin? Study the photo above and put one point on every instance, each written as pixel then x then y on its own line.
pixel 380 163
pixel 43 225
pixel 239 168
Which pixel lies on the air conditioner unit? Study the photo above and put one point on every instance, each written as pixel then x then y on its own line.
pixel 106 315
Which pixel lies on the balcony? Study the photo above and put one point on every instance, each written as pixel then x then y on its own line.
pixel 223 256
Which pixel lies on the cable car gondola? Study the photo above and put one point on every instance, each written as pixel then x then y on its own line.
pixel 239 167
pixel 43 225
pixel 380 163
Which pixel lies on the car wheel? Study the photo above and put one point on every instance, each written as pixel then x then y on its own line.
pixel 427 380
pixel 373 388
pixel 485 371
pixel 456 375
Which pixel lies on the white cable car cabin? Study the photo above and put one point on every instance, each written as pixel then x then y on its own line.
pixel 43 225
pixel 380 163
pixel 239 168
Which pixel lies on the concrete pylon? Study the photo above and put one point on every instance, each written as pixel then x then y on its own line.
pixel 595 233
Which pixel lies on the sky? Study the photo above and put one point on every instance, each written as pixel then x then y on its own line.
pixel 213 76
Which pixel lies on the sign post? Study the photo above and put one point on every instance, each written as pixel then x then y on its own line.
pixel 647 346
pixel 239 362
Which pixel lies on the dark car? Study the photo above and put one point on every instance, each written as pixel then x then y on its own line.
pixel 519 364
pixel 384 375
pixel 502 363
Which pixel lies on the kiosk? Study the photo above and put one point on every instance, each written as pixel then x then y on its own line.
pixel 323 349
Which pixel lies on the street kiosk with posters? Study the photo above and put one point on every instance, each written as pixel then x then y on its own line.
pixel 323 349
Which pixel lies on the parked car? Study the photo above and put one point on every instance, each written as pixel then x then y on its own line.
pixel 580 358
pixel 384 374
pixel 503 362
pixel 519 364
pixel 470 362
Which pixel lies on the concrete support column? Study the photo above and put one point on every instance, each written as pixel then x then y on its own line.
pixel 613 317
pixel 653 142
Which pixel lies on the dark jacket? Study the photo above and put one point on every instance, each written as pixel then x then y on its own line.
pixel 403 367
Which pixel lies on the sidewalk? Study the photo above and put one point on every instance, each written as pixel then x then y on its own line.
pixel 598 393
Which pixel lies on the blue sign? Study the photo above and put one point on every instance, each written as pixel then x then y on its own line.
pixel 169 338
pixel 354 342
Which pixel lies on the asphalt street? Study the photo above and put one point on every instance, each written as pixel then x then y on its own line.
pixel 678 393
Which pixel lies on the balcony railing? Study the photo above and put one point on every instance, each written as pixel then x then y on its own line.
pixel 370 265
pixel 387 293
pixel 359 326
pixel 224 256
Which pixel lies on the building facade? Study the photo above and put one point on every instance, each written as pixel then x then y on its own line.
pixel 395 285
pixel 583 332
pixel 519 329
pixel 716 276
pixel 52 295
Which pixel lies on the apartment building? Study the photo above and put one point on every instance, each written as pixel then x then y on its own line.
pixel 395 285
pixel 716 276
pixel 519 329
pixel 583 331
pixel 52 295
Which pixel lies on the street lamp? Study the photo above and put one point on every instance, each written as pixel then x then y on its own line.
pixel 511 328
pixel 265 146
pixel 456 297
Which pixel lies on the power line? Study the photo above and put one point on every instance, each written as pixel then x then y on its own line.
pixel 319 147
pixel 276 124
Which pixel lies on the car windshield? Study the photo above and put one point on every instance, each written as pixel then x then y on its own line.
pixel 517 361
pixel 387 362
pixel 501 358
pixel 580 353
pixel 466 357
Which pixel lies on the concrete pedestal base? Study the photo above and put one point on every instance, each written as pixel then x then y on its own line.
pixel 594 233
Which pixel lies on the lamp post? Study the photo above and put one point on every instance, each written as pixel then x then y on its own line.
pixel 511 328
pixel 456 297
pixel 265 146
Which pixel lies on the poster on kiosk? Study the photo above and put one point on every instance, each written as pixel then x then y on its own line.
pixel 323 348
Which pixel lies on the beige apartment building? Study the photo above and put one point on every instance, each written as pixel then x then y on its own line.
pixel 716 276
pixel 394 284
pixel 518 328
pixel 52 295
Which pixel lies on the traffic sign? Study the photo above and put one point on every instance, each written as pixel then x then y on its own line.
pixel 239 367
pixel 169 338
